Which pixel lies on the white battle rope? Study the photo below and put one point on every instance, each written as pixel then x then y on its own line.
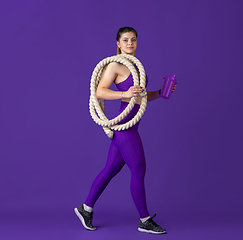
pixel 97 107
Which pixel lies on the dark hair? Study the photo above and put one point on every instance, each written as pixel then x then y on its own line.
pixel 121 31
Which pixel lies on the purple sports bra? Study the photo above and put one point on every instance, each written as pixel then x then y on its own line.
pixel 126 84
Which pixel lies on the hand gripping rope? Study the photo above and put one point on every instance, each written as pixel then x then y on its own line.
pixel 97 107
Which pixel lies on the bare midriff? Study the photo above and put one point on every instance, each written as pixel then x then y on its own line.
pixel 138 101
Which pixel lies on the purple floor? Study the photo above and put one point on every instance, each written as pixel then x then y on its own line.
pixel 49 225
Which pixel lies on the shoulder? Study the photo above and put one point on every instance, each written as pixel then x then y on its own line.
pixel 111 71
pixel 118 69
pixel 114 67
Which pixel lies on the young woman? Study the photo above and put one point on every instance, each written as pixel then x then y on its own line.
pixel 126 146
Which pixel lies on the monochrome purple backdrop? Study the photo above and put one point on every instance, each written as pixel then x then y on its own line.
pixel 51 150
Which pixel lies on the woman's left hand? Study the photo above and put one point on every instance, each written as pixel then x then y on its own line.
pixel 174 87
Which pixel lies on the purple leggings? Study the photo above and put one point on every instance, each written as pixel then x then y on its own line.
pixel 126 148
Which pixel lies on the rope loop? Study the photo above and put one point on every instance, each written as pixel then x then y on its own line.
pixel 97 106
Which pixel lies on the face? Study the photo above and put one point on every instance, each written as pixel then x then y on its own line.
pixel 128 43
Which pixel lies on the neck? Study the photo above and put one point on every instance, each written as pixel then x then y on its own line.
pixel 133 54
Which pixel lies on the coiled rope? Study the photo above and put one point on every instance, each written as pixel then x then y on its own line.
pixel 97 107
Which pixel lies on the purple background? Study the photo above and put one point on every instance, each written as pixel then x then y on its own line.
pixel 51 150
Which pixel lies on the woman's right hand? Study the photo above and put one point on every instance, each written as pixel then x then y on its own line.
pixel 132 92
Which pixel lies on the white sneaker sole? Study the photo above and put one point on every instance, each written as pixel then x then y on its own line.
pixel 150 231
pixel 82 219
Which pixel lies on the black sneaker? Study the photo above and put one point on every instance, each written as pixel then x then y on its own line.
pixel 85 217
pixel 149 226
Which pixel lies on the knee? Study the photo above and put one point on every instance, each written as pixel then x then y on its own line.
pixel 112 171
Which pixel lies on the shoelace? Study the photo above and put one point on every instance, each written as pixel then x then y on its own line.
pixel 90 217
pixel 153 216
pixel 150 220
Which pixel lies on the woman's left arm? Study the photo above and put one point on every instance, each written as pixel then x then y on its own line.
pixel 153 95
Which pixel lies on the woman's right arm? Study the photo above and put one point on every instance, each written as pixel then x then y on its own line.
pixel 110 74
